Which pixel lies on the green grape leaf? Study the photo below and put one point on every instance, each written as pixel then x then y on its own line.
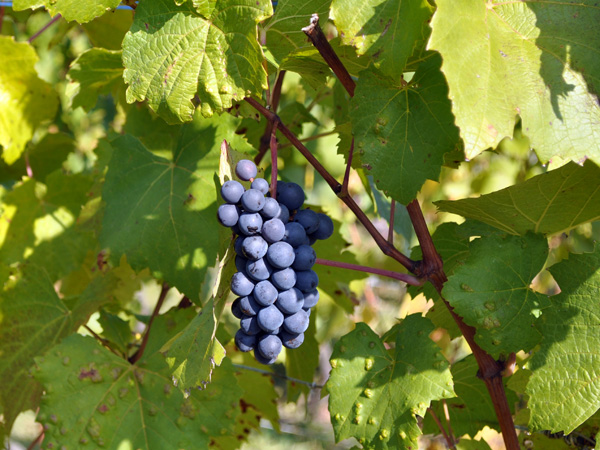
pixel 27 101
pixel 193 353
pixel 283 31
pixel 172 54
pixel 471 444
pixel 33 319
pixel 94 396
pixel 402 132
pixel 20 5
pixel 164 217
pixel 116 330
pixel 157 136
pixel 94 72
pixel 472 408
pixel 386 31
pixel 540 61
pixel 490 291
pixel 301 363
pixel 374 395
pixel 309 64
pixel 108 30
pixel 80 11
pixel 549 203
pixel 565 373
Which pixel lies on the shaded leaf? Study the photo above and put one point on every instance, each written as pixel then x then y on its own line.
pixel 301 363
pixel 116 330
pixel 108 30
pixel 80 11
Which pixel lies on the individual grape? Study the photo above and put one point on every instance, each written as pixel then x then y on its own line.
pixel 308 219
pixel 253 200
pixel 254 247
pixel 228 215
pixel 290 301
pixel 284 279
pixel 261 359
pixel 284 213
pixel 310 298
pixel 291 195
pixel 259 270
pixel 241 285
pixel 244 342
pixel 280 255
pixel 249 306
pixel 269 318
pixel 245 169
pixel 296 323
pixel 249 325
pixel 305 257
pixel 325 229
pixel 306 280
pixel 271 208
pixel 269 346
pixel 295 235
pixel 240 263
pixel 236 309
pixel 260 184
pixel 265 293
pixel 273 230
pixel 250 223
pixel 232 191
pixel 291 340
pixel 237 245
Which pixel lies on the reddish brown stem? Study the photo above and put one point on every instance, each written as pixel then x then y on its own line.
pixel 273 146
pixel 318 39
pixel 44 28
pixel 436 419
pixel 161 298
pixel 1 17
pixel 265 138
pixel 408 279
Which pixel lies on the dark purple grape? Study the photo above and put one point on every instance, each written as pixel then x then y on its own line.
pixel 280 255
pixel 290 301
pixel 296 323
pixel 240 263
pixel 259 270
pixel 284 213
pixel 270 209
pixel 249 325
pixel 310 298
pixel 325 229
pixel 305 257
pixel 244 342
pixel 269 318
pixel 291 340
pixel 249 306
pixel 237 245
pixel 254 247
pixel 291 195
pixel 228 215
pixel 236 309
pixel 253 200
pixel 232 191
pixel 295 235
pixel 260 184
pixel 284 279
pixel 308 219
pixel 245 169
pixel 250 223
pixel 241 285
pixel 306 280
pixel 273 230
pixel 265 293
pixel 261 359
pixel 269 346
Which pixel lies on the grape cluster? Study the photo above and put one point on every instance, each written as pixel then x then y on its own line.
pixel 275 283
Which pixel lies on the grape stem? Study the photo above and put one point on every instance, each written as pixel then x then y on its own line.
pixel 277 375
pixel 273 146
pixel 447 416
pixel 44 28
pixel 266 137
pixel 161 298
pixel 449 440
pixel 408 279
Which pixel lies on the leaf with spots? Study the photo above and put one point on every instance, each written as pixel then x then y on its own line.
pixel 564 384
pixel 535 60
pixel 490 291
pixel 172 53
pixel 375 394
pixel 549 203
pixel 93 396
pixel 403 131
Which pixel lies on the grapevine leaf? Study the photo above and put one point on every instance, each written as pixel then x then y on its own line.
pixel 375 395
pixel 309 64
pixel 96 71
pixel 284 30
pixel 490 291
pixel 94 396
pixel 472 409
pixel 549 203
pixel 565 380
pixel 157 136
pixel 472 444
pixel 34 319
pixel 116 330
pixel 108 30
pixel 301 363
pixel 173 53
pixel 20 5
pixel 402 132
pixel 26 100
pixel 541 62
pixel 193 353
pixel 385 30
pixel 163 217
pixel 80 11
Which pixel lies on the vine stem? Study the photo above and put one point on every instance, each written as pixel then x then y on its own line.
pixel 45 27
pixel 408 279
pixel 39 438
pixel 161 298
pixel 1 17
pixel 273 147
pixel 436 419
pixel 447 416
pixel 311 385
pixel 265 138
pixel 314 137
